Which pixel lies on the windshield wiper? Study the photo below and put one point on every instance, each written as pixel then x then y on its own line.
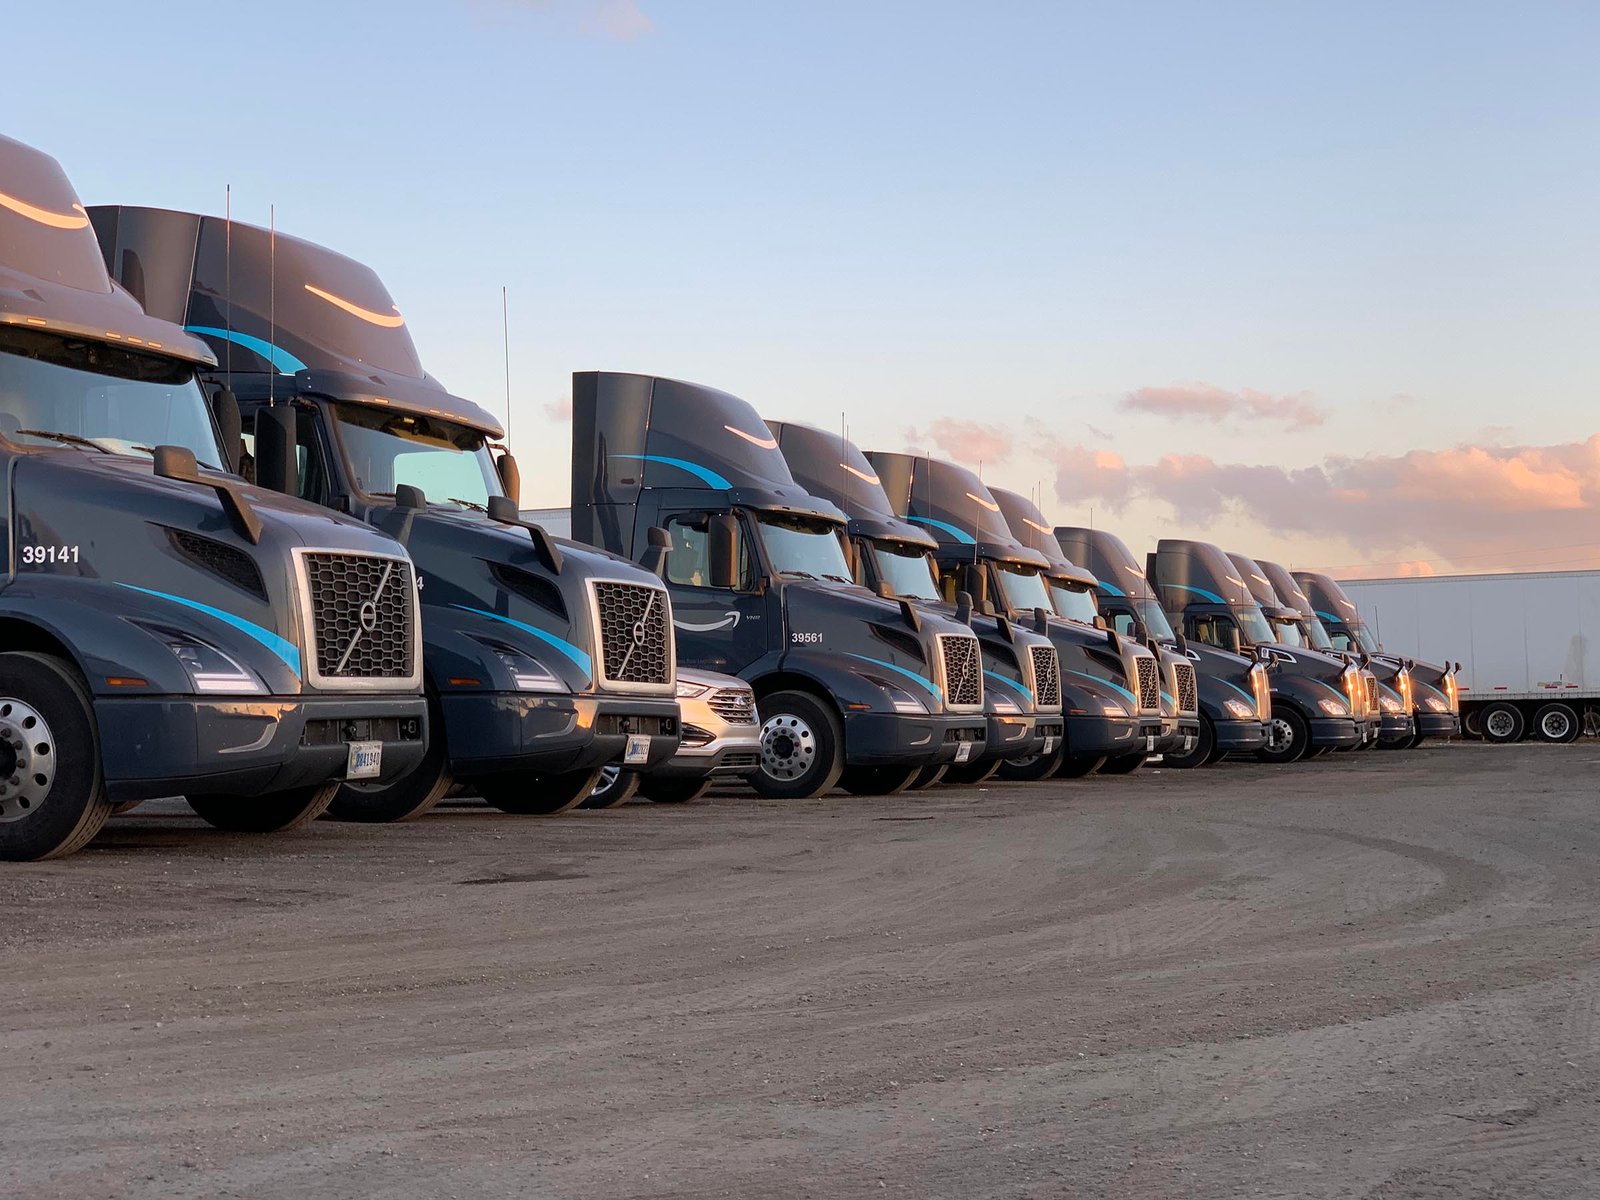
pixel 798 574
pixel 70 439
pixel 468 504
pixel 838 579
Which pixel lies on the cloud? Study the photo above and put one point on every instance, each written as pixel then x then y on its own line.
pixel 966 441
pixel 559 410
pixel 1206 402
pixel 613 20
pixel 1478 507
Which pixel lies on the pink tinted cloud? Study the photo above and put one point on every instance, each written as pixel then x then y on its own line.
pixel 1207 402
pixel 1480 507
pixel 559 410
pixel 966 441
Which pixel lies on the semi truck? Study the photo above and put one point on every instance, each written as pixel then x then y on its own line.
pixel 543 661
pixel 894 558
pixel 1073 589
pixel 1110 685
pixel 1435 701
pixel 852 688
pixel 165 628
pixel 1316 699
pixel 1235 700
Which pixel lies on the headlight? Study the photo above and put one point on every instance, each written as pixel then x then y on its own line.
pixel 1004 703
pixel 1334 708
pixel 1434 704
pixel 1112 708
pixel 1238 709
pixel 209 669
pixel 527 674
pixel 1389 704
pixel 901 700
pixel 688 691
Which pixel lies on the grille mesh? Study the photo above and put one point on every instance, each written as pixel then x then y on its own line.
pixel 1046 677
pixel 737 706
pixel 221 559
pixel 1188 694
pixel 1372 692
pixel 1149 684
pixel 349 592
pixel 635 633
pixel 963 669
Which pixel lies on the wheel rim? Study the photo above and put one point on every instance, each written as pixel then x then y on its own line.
pixel 1555 725
pixel 788 746
pixel 27 760
pixel 607 781
pixel 1500 723
pixel 1280 735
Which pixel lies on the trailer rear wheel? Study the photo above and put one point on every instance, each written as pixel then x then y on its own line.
pixel 276 812
pixel 52 794
pixel 928 777
pixel 1288 737
pixel 1204 745
pixel 526 794
pixel 1122 764
pixel 616 787
pixel 1502 723
pixel 1556 723
pixel 673 791
pixel 877 781
pixel 802 747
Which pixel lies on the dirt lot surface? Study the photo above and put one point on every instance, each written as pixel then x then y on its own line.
pixel 1373 975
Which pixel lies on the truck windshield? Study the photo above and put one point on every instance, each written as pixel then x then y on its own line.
pixel 1023 587
pixel 906 569
pixel 804 548
pixel 1155 620
pixel 1316 636
pixel 1365 639
pixel 1286 631
pixel 1253 625
pixel 101 398
pixel 1074 603
pixel 384 449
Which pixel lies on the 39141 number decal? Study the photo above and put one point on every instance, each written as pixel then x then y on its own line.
pixel 38 555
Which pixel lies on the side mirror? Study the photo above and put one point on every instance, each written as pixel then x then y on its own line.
pixel 976 584
pixel 654 558
pixel 1234 643
pixel 510 478
pixel 1141 631
pixel 722 550
pixel 225 410
pixel 1100 622
pixel 277 464
pixel 964 607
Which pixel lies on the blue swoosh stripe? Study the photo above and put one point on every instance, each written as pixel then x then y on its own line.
pixel 583 662
pixel 1011 683
pixel 282 361
pixel 1112 588
pixel 1326 616
pixel 961 535
pixel 284 649
pixel 1199 591
pixel 922 679
pixel 1132 699
pixel 705 474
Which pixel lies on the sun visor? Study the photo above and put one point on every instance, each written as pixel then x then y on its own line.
pixel 830 466
pixel 1188 573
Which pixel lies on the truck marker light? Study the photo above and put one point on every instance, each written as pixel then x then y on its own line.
pixel 126 681
pixel 76 219
pixel 463 681
pixel 390 320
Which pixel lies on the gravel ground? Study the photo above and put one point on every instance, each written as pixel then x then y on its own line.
pixel 1372 975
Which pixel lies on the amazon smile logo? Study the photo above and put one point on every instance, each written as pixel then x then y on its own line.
pixel 729 620
pixel 389 320
pixel 76 219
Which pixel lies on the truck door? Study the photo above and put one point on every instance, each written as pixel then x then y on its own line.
pixel 717 628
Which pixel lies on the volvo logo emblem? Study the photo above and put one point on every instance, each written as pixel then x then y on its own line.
pixel 638 633
pixel 368 616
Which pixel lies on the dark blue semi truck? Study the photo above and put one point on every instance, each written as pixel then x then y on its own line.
pixel 1110 685
pixel 544 661
pixel 894 558
pixel 166 628
pixel 852 688
pixel 1235 699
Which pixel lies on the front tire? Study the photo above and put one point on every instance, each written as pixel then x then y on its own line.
pixel 526 794
pixel 617 786
pixel 877 781
pixel 409 796
pixel 1077 766
pixel 928 777
pixel 1288 737
pixel 1033 767
pixel 53 798
pixel 802 747
pixel 673 791
pixel 276 812
pixel 1122 764
pixel 972 774
pixel 1502 723
pixel 1556 723
pixel 1204 744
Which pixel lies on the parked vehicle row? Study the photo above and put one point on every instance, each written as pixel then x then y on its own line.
pixel 258 557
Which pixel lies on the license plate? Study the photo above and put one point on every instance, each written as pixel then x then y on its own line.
pixel 365 760
pixel 1050 744
pixel 638 751
pixel 963 751
pixel 1188 742
pixel 1149 745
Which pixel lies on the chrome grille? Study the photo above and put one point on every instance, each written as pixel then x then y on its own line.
pixel 1188 694
pixel 1149 684
pixel 1372 692
pixel 362 617
pixel 737 706
pixel 1046 677
pixel 635 624
pixel 963 669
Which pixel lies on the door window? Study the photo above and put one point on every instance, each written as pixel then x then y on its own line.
pixel 689 560
pixel 1216 631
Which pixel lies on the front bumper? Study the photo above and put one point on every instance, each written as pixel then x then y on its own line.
pixel 1336 731
pixel 1090 736
pixel 1180 737
pixel 1438 725
pixel 894 739
pixel 495 732
pixel 1013 735
pixel 202 746
pixel 1396 727
pixel 1241 736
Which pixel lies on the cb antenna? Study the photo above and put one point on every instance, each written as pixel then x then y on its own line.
pixel 505 338
pixel 227 283
pixel 272 299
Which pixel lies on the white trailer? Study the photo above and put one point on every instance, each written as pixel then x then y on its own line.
pixel 1523 641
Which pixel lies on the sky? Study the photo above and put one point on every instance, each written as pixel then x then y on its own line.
pixel 1320 283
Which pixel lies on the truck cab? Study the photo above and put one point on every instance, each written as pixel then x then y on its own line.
pixel 543 661
pixel 1110 685
pixel 166 628
pixel 1073 590
pixel 1235 700
pixel 852 688
pixel 894 558
pixel 1316 698
pixel 1391 676
pixel 1289 629
pixel 1435 704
